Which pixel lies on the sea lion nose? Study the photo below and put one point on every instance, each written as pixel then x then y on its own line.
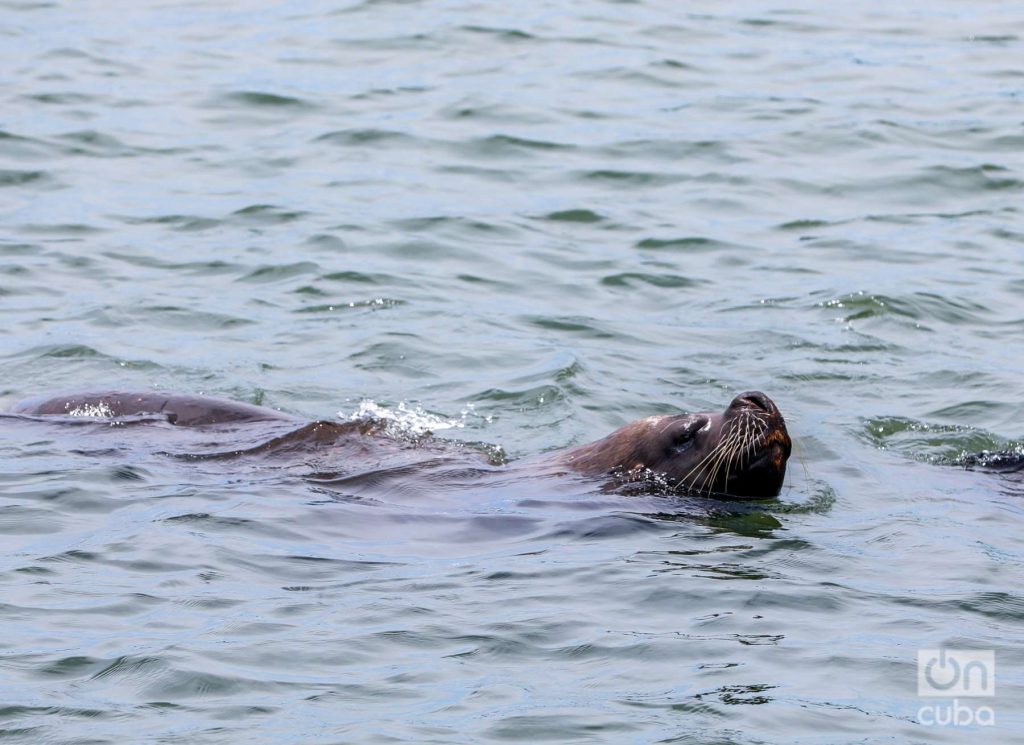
pixel 755 400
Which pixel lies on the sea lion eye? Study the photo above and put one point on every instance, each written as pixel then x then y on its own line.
pixel 684 438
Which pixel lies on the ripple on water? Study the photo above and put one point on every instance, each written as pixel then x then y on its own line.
pixel 201 268
pixel 183 223
pixel 617 178
pixel 23 520
pixel 61 351
pixel 95 144
pixel 262 99
pixel 373 304
pixel 662 280
pixel 928 441
pixel 687 244
pixel 172 316
pixel 365 137
pixel 280 272
pixel 508 146
pixel 264 214
pixel 580 215
pixel 918 306
pixel 21 178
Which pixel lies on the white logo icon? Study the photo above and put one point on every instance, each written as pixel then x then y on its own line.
pixel 956 672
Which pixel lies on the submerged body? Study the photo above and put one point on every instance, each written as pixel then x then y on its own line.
pixel 182 410
pixel 740 452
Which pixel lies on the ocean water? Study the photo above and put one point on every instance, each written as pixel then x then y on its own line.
pixel 517 227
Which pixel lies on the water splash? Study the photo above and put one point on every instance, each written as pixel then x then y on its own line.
pixel 408 420
pixel 94 411
pixel 1010 459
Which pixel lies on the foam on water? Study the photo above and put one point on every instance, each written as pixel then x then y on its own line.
pixel 98 411
pixel 407 420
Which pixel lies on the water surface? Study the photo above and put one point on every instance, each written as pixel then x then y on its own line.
pixel 520 227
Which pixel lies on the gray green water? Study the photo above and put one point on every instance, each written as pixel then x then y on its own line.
pixel 532 223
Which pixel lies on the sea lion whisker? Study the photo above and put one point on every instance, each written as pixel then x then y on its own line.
pixel 710 472
pixel 722 453
pixel 699 467
pixel 714 456
pixel 748 432
pixel 696 470
pixel 728 468
pixel 727 464
pixel 736 456
pixel 735 450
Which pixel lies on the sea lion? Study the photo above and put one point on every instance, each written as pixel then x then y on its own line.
pixel 741 452
pixel 182 410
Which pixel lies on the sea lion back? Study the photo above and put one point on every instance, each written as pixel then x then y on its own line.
pixel 186 411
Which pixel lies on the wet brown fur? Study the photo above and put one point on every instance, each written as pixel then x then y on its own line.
pixel 740 452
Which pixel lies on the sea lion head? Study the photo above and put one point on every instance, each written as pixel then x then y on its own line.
pixel 740 452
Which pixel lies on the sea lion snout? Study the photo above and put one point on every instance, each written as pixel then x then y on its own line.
pixel 754 400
